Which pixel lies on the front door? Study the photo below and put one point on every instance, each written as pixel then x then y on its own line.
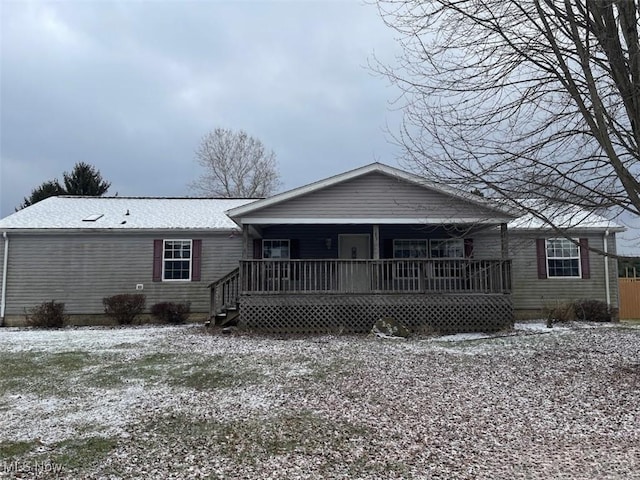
pixel 354 276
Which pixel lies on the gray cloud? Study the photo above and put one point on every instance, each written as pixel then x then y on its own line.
pixel 131 87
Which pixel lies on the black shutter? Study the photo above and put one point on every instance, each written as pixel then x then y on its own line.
pixel 468 247
pixel 157 260
pixel 541 254
pixel 584 258
pixel 196 260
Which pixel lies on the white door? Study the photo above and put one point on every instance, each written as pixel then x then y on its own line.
pixel 354 276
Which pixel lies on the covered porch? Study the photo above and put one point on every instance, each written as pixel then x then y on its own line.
pixel 339 254
pixel 426 280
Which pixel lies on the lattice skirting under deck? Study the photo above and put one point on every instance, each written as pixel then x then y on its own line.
pixel 358 312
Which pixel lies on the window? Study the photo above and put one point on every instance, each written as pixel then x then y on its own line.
pixel 276 249
pixel 176 260
pixel 563 258
pixel 452 248
pixel 448 248
pixel 407 249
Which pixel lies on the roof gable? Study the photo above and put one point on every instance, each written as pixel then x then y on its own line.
pixel 375 192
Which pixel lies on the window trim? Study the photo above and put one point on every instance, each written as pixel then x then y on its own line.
pixel 165 260
pixel 573 241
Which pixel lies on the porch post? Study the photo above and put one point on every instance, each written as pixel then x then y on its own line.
pixel 245 242
pixel 376 242
pixel 504 241
pixel 504 247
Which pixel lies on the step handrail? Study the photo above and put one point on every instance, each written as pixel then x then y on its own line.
pixel 224 292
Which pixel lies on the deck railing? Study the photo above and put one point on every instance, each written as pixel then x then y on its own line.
pixel 224 292
pixel 375 276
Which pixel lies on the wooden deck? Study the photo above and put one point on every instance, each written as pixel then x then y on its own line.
pixel 349 295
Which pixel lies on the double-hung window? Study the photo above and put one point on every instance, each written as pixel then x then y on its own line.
pixel 176 260
pixel 407 250
pixel 277 250
pixel 450 248
pixel 563 258
pixel 447 248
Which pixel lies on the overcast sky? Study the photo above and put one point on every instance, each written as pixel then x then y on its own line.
pixel 132 86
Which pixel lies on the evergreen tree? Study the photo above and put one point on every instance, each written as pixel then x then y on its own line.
pixel 47 189
pixel 85 179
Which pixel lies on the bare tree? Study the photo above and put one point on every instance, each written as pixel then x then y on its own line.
pixel 236 165
pixel 522 98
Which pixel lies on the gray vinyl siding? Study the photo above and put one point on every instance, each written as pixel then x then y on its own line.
pixel 531 293
pixel 81 269
pixel 375 196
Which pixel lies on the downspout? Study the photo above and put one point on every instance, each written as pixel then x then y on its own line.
pixel 5 268
pixel 607 285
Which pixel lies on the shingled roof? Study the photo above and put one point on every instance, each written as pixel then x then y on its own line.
pixel 124 213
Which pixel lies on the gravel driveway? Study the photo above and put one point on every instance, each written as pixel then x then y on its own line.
pixel 177 402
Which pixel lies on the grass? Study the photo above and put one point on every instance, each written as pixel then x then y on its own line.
pixel 53 369
pixel 10 450
pixel 82 453
pixel 348 407
pixel 253 440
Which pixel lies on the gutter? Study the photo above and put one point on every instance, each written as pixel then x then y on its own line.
pixel 607 285
pixel 5 268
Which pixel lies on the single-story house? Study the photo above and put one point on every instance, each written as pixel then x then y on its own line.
pixel 334 255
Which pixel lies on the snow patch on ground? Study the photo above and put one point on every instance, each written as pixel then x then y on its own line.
pixel 94 339
pixel 521 404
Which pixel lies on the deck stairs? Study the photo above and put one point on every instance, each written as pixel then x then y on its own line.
pixel 225 309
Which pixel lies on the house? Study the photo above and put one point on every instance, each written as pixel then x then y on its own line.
pixel 78 250
pixel 334 255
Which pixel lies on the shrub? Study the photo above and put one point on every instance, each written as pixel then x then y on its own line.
pixel 125 307
pixel 592 311
pixel 562 312
pixel 47 315
pixel 170 312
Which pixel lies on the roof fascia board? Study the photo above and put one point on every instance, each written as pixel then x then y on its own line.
pixel 372 221
pixel 572 230
pixel 49 231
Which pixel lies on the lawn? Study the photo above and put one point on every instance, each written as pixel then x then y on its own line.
pixel 179 402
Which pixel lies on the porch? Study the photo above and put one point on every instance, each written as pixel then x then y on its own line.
pixel 340 253
pixel 335 295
